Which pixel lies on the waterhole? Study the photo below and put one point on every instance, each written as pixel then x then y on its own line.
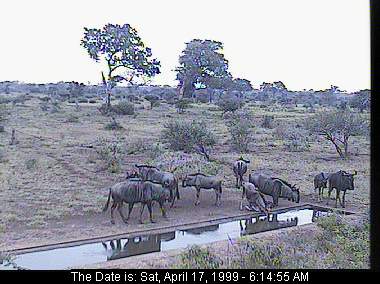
pixel 84 254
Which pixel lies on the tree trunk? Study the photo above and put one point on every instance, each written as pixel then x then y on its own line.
pixel 345 143
pixel 109 100
pixel 337 148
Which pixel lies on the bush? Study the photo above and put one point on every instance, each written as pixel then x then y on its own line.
pixel 199 258
pixel 188 136
pixel 268 121
pixel 240 127
pixel 295 138
pixel 31 164
pixel 184 163
pixel 124 108
pixel 153 99
pixel 229 103
pixel 72 118
pixel 113 125
pixel 110 152
pixel 182 104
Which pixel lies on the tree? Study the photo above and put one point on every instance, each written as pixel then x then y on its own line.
pixel 201 63
pixel 337 127
pixel 153 99
pixel 127 57
pixel 361 100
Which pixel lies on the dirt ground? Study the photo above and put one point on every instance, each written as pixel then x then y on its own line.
pixel 53 187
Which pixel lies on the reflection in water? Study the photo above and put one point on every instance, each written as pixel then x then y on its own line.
pixel 265 223
pixel 200 230
pixel 132 246
pixel 84 254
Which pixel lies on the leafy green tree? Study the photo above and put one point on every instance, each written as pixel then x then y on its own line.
pixel 127 57
pixel 202 63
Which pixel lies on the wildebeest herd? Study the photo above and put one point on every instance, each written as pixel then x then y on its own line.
pixel 147 184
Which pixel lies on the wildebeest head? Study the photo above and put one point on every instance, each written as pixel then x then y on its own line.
pixel 144 170
pixel 291 192
pixel 131 174
pixel 188 180
pixel 244 160
pixel 348 180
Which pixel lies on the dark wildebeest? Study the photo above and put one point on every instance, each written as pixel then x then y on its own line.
pixel 254 197
pixel 136 191
pixel 275 187
pixel 320 182
pixel 167 179
pixel 199 181
pixel 240 167
pixel 341 181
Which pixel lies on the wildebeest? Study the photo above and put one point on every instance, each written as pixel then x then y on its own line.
pixel 255 198
pixel 275 187
pixel 136 191
pixel 341 181
pixel 167 179
pixel 240 167
pixel 200 180
pixel 320 182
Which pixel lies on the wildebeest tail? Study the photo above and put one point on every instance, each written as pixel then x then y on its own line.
pixel 108 201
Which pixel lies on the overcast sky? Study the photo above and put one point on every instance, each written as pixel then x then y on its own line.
pixel 305 44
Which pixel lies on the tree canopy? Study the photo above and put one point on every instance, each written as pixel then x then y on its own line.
pixel 126 55
pixel 202 62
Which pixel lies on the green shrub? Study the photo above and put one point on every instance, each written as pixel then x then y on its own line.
pixel 240 127
pixel 124 108
pixel 199 258
pixel 188 136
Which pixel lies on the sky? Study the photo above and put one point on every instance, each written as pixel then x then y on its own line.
pixel 306 44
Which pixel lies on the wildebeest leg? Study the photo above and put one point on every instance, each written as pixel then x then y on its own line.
pixel 162 207
pixel 149 204
pixel 329 195
pixel 104 245
pixel 275 200
pixel 130 207
pixel 237 181
pixel 114 205
pixel 141 212
pixel 336 198
pixel 120 209
pixel 198 193
pixel 344 199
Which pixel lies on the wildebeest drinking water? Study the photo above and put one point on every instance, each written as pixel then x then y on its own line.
pixel 255 198
pixel 320 182
pixel 275 187
pixel 240 167
pixel 200 180
pixel 341 181
pixel 167 179
pixel 136 191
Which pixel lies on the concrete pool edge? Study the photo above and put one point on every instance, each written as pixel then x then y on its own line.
pixel 164 229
